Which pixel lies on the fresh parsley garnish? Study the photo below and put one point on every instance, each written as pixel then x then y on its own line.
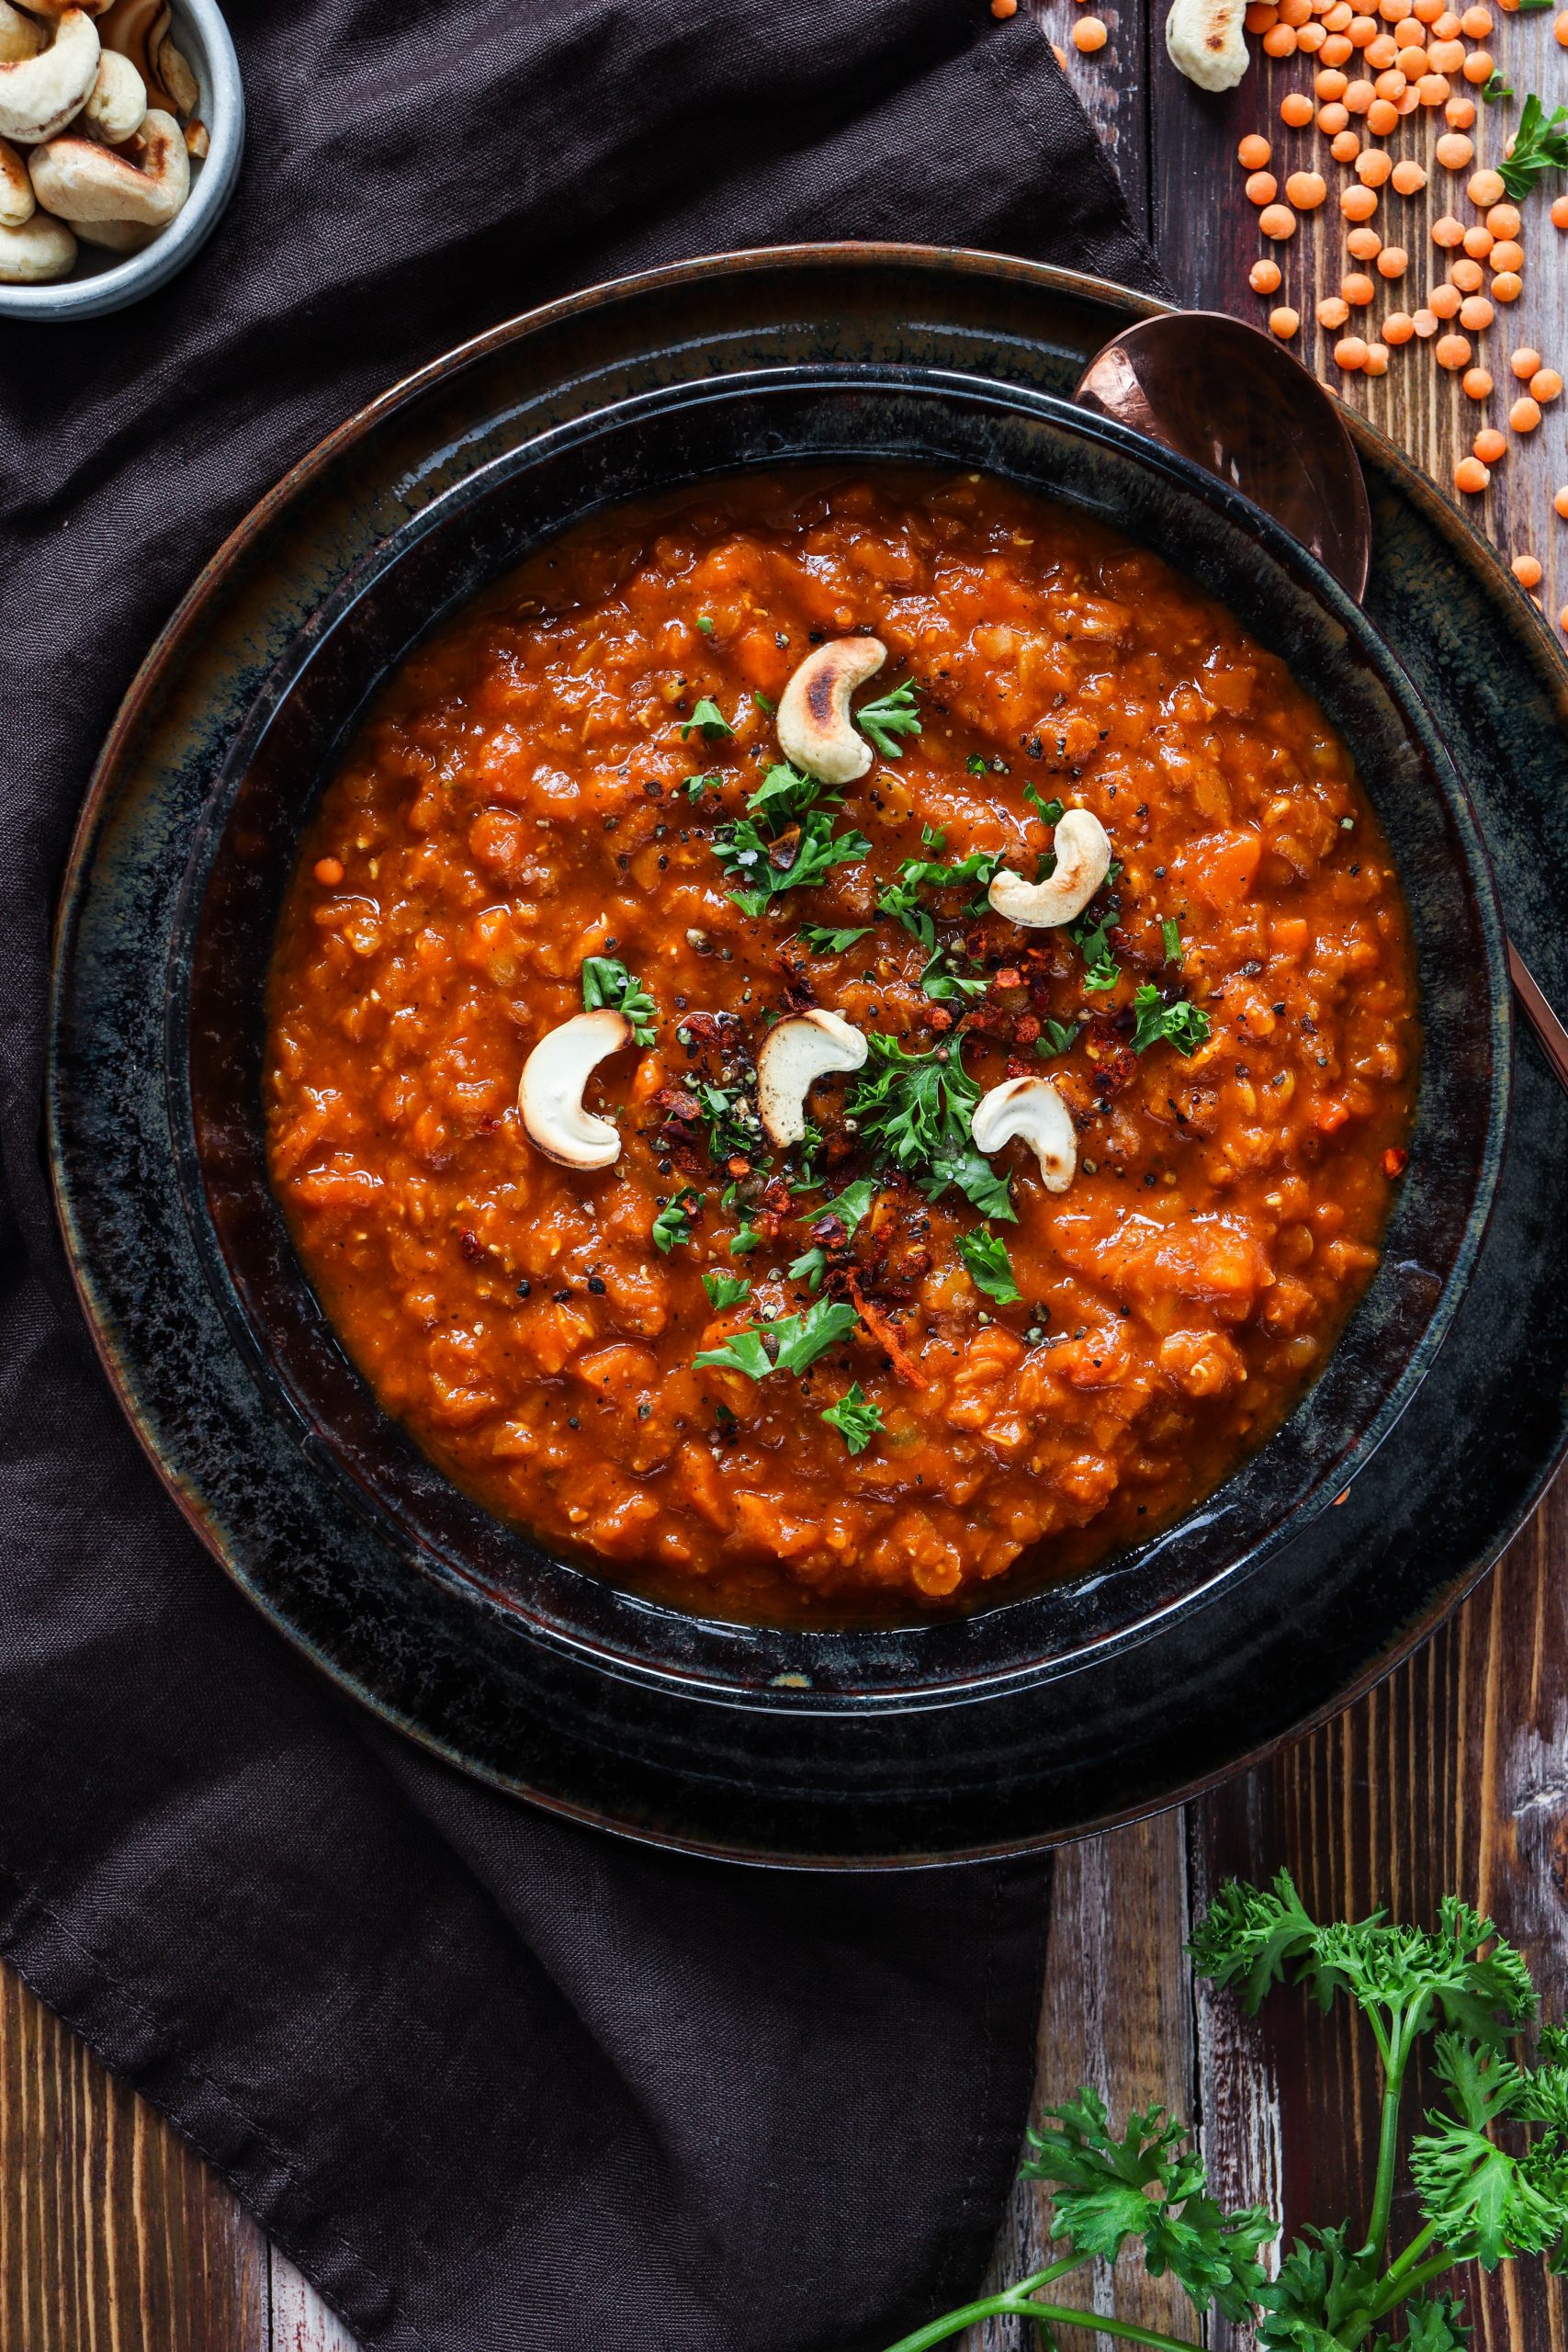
pixel 850 1208
pixel 705 622
pixel 1540 145
pixel 605 983
pixel 1051 812
pixel 978 764
pixel 856 1420
pixel 944 985
pixel 749 859
pixel 764 705
pixel 1090 934
pixel 1178 1024
pixel 1490 2170
pixel 823 941
pixel 725 1290
pixel 885 720
pixel 1057 1037
pixel 734 1129
pixel 673 1223
pixel 1170 932
pixel 986 1255
pixel 783 794
pixel 708 721
pixel 902 899
pixel 915 1110
pixel 792 1343
pixel 695 786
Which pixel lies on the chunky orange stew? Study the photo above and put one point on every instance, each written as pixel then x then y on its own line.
pixel 1035 1222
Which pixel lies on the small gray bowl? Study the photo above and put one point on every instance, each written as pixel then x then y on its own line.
pixel 103 281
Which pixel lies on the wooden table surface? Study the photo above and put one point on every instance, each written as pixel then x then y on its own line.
pixel 1454 1775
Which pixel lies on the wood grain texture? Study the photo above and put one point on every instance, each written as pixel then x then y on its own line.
pixel 1454 1774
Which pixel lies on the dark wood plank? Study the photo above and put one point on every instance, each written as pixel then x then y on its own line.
pixel 1113 87
pixel 114 2236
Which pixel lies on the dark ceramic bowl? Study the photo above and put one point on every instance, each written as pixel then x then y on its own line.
pixel 295 736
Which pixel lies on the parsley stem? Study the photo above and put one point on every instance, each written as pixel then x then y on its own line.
pixel 1016 2300
pixel 1408 2272
pixel 1066 2315
pixel 1388 2149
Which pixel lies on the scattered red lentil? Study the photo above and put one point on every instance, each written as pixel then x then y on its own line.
pixel 1477 384
pixel 1381 118
pixel 1524 362
pixel 1476 314
pixel 1090 33
pixel 1470 475
pixel 1508 286
pixel 1277 221
pixel 1490 444
pixel 1345 147
pixel 1468 276
pixel 1284 323
pixel 1398 327
pixel 1452 351
pixel 1295 109
pixel 1486 187
pixel 1357 203
pixel 1560 211
pixel 1305 190
pixel 1376 360
pixel 1479 242
pixel 1447 232
pixel 1373 168
pixel 1264 278
pixel 1333 118
pixel 1453 150
pixel 1253 153
pixel 1560 501
pixel 1357 289
pixel 1262 187
pixel 1445 301
pixel 1525 568
pixel 1332 313
pixel 1524 416
pixel 1424 322
pixel 1392 262
pixel 1503 220
pixel 1546 386
pixel 1460 113
pixel 1409 179
pixel 1363 244
pixel 1350 354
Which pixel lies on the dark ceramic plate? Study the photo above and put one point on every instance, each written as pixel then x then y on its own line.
pixel 586 1698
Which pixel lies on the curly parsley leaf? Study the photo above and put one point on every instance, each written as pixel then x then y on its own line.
pixel 673 1223
pixel 990 1267
pixel 792 1343
pixel 1540 145
pixel 978 764
pixel 1324 2288
pixel 824 942
pixel 725 1290
pixel 916 1111
pixel 885 721
pixel 1057 1037
pixel 754 863
pixel 1178 1023
pixel 707 721
pixel 606 982
pixel 1090 934
pixel 695 786
pixel 1050 812
pixel 785 794
pixel 850 1208
pixel 1149 2185
pixel 1484 2202
pixel 944 985
pixel 734 1129
pixel 856 1420
pixel 903 900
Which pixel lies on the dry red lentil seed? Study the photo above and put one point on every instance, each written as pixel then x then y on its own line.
pixel 1409 179
pixel 1332 313
pixel 1475 23
pixel 1295 109
pixel 1560 32
pixel 1431 89
pixel 1373 168
pixel 1280 42
pixel 1350 354
pixel 1447 231
pixel 1331 120
pixel 1264 278
pixel 1452 351
pixel 1524 362
pixel 1381 53
pixel 1358 290
pixel 1262 187
pixel 1284 323
pixel 1091 33
pixel 1004 8
pixel 1477 384
pixel 1310 39
pixel 1479 241
pixel 1357 203
pixel 1447 57
pixel 1392 262
pixel 1277 221
pixel 1508 286
pixel 1546 386
pixel 1253 152
pixel 1560 211
pixel 1560 502
pixel 1330 82
pixel 1486 187
pixel 1363 244
pixel 1479 67
pixel 1336 50
pixel 1406 102
pixel 1490 444
pixel 1359 100
pixel 1345 147
pixel 1476 314
pixel 1524 416
pixel 1398 327
pixel 1453 150
pixel 1507 254
pixel 1503 221
pixel 1376 360
pixel 1460 113
pixel 1445 301
pixel 1526 571
pixel 1468 276
pixel 1412 64
pixel 1471 476
pixel 1425 324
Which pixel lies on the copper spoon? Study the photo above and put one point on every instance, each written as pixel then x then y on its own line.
pixel 1234 401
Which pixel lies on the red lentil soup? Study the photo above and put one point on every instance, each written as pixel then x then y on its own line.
pixel 926 1373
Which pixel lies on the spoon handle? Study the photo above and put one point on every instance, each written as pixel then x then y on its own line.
pixel 1549 1031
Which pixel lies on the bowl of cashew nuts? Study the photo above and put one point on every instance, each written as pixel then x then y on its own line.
pixel 121 123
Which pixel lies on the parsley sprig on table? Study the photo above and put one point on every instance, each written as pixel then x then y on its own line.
pixel 1490 2169
pixel 1540 145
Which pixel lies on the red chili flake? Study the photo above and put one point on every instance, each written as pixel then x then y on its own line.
pixel 1395 1160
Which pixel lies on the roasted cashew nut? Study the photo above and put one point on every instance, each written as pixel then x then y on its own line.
pixel 16 198
pixel 815 730
pixel 1206 41
pixel 116 102
pixel 550 1096
pixel 1083 861
pixel 793 1056
pixel 19 36
pixel 140 29
pixel 39 253
pixel 1031 1109
pixel 39 94
pixel 78 180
